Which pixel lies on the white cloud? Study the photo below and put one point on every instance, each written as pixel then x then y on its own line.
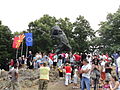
pixel 18 13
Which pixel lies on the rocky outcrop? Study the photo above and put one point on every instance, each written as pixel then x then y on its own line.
pixel 27 78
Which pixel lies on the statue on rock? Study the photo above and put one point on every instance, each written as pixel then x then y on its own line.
pixel 63 45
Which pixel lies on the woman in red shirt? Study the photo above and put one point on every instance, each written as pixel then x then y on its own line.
pixel 11 64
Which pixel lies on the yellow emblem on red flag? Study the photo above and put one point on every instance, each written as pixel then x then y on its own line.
pixel 18 40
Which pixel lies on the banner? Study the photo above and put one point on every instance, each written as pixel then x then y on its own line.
pixel 29 39
pixel 16 42
pixel 21 37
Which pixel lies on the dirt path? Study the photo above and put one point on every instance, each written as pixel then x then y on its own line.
pixel 60 86
pixel 54 86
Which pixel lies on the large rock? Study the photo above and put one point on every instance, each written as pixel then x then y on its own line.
pixel 3 73
pixel 27 78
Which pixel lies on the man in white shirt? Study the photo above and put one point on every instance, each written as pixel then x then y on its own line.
pixel 85 71
pixel 118 64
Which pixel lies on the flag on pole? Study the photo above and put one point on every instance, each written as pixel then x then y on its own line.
pixel 21 40
pixel 29 39
pixel 16 42
pixel 21 37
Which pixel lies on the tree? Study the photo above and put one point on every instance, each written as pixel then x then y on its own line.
pixel 82 33
pixel 109 32
pixel 41 30
pixel 6 50
pixel 66 26
pixel 78 37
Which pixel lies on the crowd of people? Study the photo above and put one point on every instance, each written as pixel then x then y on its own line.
pixel 91 70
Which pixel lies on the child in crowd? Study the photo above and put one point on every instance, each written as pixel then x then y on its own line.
pixel 106 86
pixel 101 84
pixel 60 70
pixel 25 63
pixel 68 70
pixel 75 77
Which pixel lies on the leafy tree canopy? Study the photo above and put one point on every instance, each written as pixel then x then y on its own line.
pixel 109 32
pixel 5 43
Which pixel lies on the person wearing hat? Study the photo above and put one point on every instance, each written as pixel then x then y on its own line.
pixel 85 71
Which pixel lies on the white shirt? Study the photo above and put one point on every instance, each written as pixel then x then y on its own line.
pixel 40 56
pixel 84 67
pixel 118 63
pixel 101 57
pixel 75 74
pixel 104 57
pixel 72 59
pixel 55 58
pixel 103 65
pixel 89 60
pixel 66 55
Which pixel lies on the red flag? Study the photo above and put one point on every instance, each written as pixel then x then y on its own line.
pixel 17 41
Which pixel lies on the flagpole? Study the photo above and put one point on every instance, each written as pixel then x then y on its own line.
pixel 22 49
pixel 26 51
pixel 16 53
